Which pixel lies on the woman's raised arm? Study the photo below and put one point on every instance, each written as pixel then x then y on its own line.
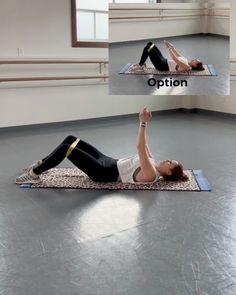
pixel 182 65
pixel 147 168
pixel 174 50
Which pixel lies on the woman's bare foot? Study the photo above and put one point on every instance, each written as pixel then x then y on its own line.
pixel 138 68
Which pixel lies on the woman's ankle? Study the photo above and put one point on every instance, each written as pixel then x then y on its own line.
pixel 32 173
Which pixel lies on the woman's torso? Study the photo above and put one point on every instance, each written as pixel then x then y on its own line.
pixel 130 170
pixel 173 67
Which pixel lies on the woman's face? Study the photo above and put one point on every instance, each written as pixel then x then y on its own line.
pixel 194 62
pixel 165 167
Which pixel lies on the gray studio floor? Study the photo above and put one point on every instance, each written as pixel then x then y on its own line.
pixel 87 242
pixel 210 49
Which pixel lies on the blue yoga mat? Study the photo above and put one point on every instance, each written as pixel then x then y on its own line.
pixel 201 180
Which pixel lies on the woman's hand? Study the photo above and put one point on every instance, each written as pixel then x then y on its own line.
pixel 168 44
pixel 145 115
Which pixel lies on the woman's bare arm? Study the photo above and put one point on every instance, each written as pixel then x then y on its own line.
pixel 181 64
pixel 148 151
pixel 176 52
pixel 147 168
pixel 170 45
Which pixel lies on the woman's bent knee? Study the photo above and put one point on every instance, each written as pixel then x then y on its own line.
pixel 69 139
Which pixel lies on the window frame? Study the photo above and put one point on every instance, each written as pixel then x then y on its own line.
pixel 75 41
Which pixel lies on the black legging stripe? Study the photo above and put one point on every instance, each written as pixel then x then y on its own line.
pixel 156 57
pixel 90 160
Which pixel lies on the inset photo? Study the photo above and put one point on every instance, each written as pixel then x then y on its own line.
pixel 159 48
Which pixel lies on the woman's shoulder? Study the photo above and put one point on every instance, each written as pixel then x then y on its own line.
pixel 183 68
pixel 184 64
pixel 139 177
pixel 183 58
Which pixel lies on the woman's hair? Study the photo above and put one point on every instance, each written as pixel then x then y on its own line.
pixel 198 67
pixel 177 173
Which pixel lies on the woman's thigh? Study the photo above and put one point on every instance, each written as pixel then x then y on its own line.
pixel 158 60
pixel 102 169
pixel 90 149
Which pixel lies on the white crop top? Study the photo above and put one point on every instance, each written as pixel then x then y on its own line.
pixel 172 64
pixel 128 166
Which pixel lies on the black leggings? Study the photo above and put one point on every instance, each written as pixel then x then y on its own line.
pixel 95 164
pixel 156 57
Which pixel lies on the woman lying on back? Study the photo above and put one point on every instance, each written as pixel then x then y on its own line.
pixel 140 168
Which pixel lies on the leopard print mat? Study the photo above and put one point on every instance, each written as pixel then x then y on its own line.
pixel 73 178
pixel 150 70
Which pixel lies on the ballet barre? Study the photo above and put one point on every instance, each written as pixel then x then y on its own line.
pixel 51 78
pixel 22 61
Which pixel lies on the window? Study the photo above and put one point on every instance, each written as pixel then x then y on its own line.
pixel 89 23
pixel 89 19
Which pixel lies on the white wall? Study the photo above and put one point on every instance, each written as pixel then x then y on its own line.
pixel 232 30
pixel 158 23
pixel 219 21
pixel 42 28
pixel 219 103
pixel 24 106
pixel 151 29
pixel 128 22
